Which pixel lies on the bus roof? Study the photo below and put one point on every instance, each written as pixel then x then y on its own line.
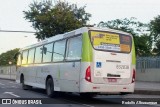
pixel 68 34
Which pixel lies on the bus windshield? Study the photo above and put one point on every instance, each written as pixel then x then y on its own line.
pixel 107 41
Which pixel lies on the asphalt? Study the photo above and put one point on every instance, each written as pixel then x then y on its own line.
pixel 145 88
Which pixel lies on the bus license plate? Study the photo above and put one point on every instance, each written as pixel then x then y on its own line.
pixel 112 80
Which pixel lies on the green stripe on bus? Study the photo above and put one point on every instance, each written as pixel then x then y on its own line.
pixel 86 48
pixel 133 54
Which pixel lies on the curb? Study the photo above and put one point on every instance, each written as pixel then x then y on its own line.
pixel 7 79
pixel 147 92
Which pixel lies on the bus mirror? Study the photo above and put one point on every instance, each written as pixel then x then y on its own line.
pixel 21 57
pixel 16 55
pixel 44 50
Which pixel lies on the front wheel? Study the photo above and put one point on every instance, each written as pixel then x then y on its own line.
pixel 50 88
pixel 25 87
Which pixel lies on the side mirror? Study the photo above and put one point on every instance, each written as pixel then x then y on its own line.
pixel 16 55
pixel 44 50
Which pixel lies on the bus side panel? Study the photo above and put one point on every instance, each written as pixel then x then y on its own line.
pixel 69 76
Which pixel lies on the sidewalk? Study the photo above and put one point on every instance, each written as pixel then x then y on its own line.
pixel 151 88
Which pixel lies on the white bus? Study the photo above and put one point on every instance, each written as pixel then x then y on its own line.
pixel 88 61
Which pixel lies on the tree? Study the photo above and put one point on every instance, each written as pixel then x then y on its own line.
pixel 128 25
pixel 156 50
pixel 143 45
pixel 48 19
pixel 143 42
pixel 155 28
pixel 155 33
pixel 8 56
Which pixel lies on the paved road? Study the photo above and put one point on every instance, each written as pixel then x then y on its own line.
pixel 10 89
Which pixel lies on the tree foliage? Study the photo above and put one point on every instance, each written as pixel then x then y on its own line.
pixel 8 56
pixel 143 42
pixel 143 45
pixel 128 25
pixel 156 50
pixel 155 33
pixel 155 28
pixel 48 19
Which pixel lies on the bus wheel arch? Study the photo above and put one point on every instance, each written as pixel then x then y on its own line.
pixel 24 87
pixel 49 76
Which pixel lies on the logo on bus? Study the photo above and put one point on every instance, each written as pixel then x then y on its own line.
pixel 98 64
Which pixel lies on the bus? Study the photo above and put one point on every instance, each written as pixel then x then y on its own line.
pixel 88 61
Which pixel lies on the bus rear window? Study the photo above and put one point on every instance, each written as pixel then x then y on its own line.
pixel 107 41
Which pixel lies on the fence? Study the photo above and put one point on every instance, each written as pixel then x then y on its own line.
pixel 148 69
pixel 8 72
pixel 148 62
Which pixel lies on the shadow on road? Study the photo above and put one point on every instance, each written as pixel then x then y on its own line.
pixel 74 98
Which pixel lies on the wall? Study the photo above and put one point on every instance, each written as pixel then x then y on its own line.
pixel 149 75
pixel 8 72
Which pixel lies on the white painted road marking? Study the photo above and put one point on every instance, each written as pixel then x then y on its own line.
pixel 1 84
pixel 11 93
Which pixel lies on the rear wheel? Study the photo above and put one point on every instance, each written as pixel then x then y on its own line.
pixel 50 88
pixel 125 93
pixel 88 95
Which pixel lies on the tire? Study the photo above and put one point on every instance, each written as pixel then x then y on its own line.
pixel 50 88
pixel 125 93
pixel 25 87
pixel 88 95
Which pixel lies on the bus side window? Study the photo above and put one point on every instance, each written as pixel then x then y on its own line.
pixel 24 57
pixel 19 60
pixel 47 52
pixel 31 55
pixel 38 54
pixel 74 48
pixel 59 51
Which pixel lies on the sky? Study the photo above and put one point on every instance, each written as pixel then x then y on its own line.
pixel 12 17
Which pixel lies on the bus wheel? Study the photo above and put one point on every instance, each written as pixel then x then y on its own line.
pixel 125 93
pixel 50 88
pixel 88 95
pixel 24 87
